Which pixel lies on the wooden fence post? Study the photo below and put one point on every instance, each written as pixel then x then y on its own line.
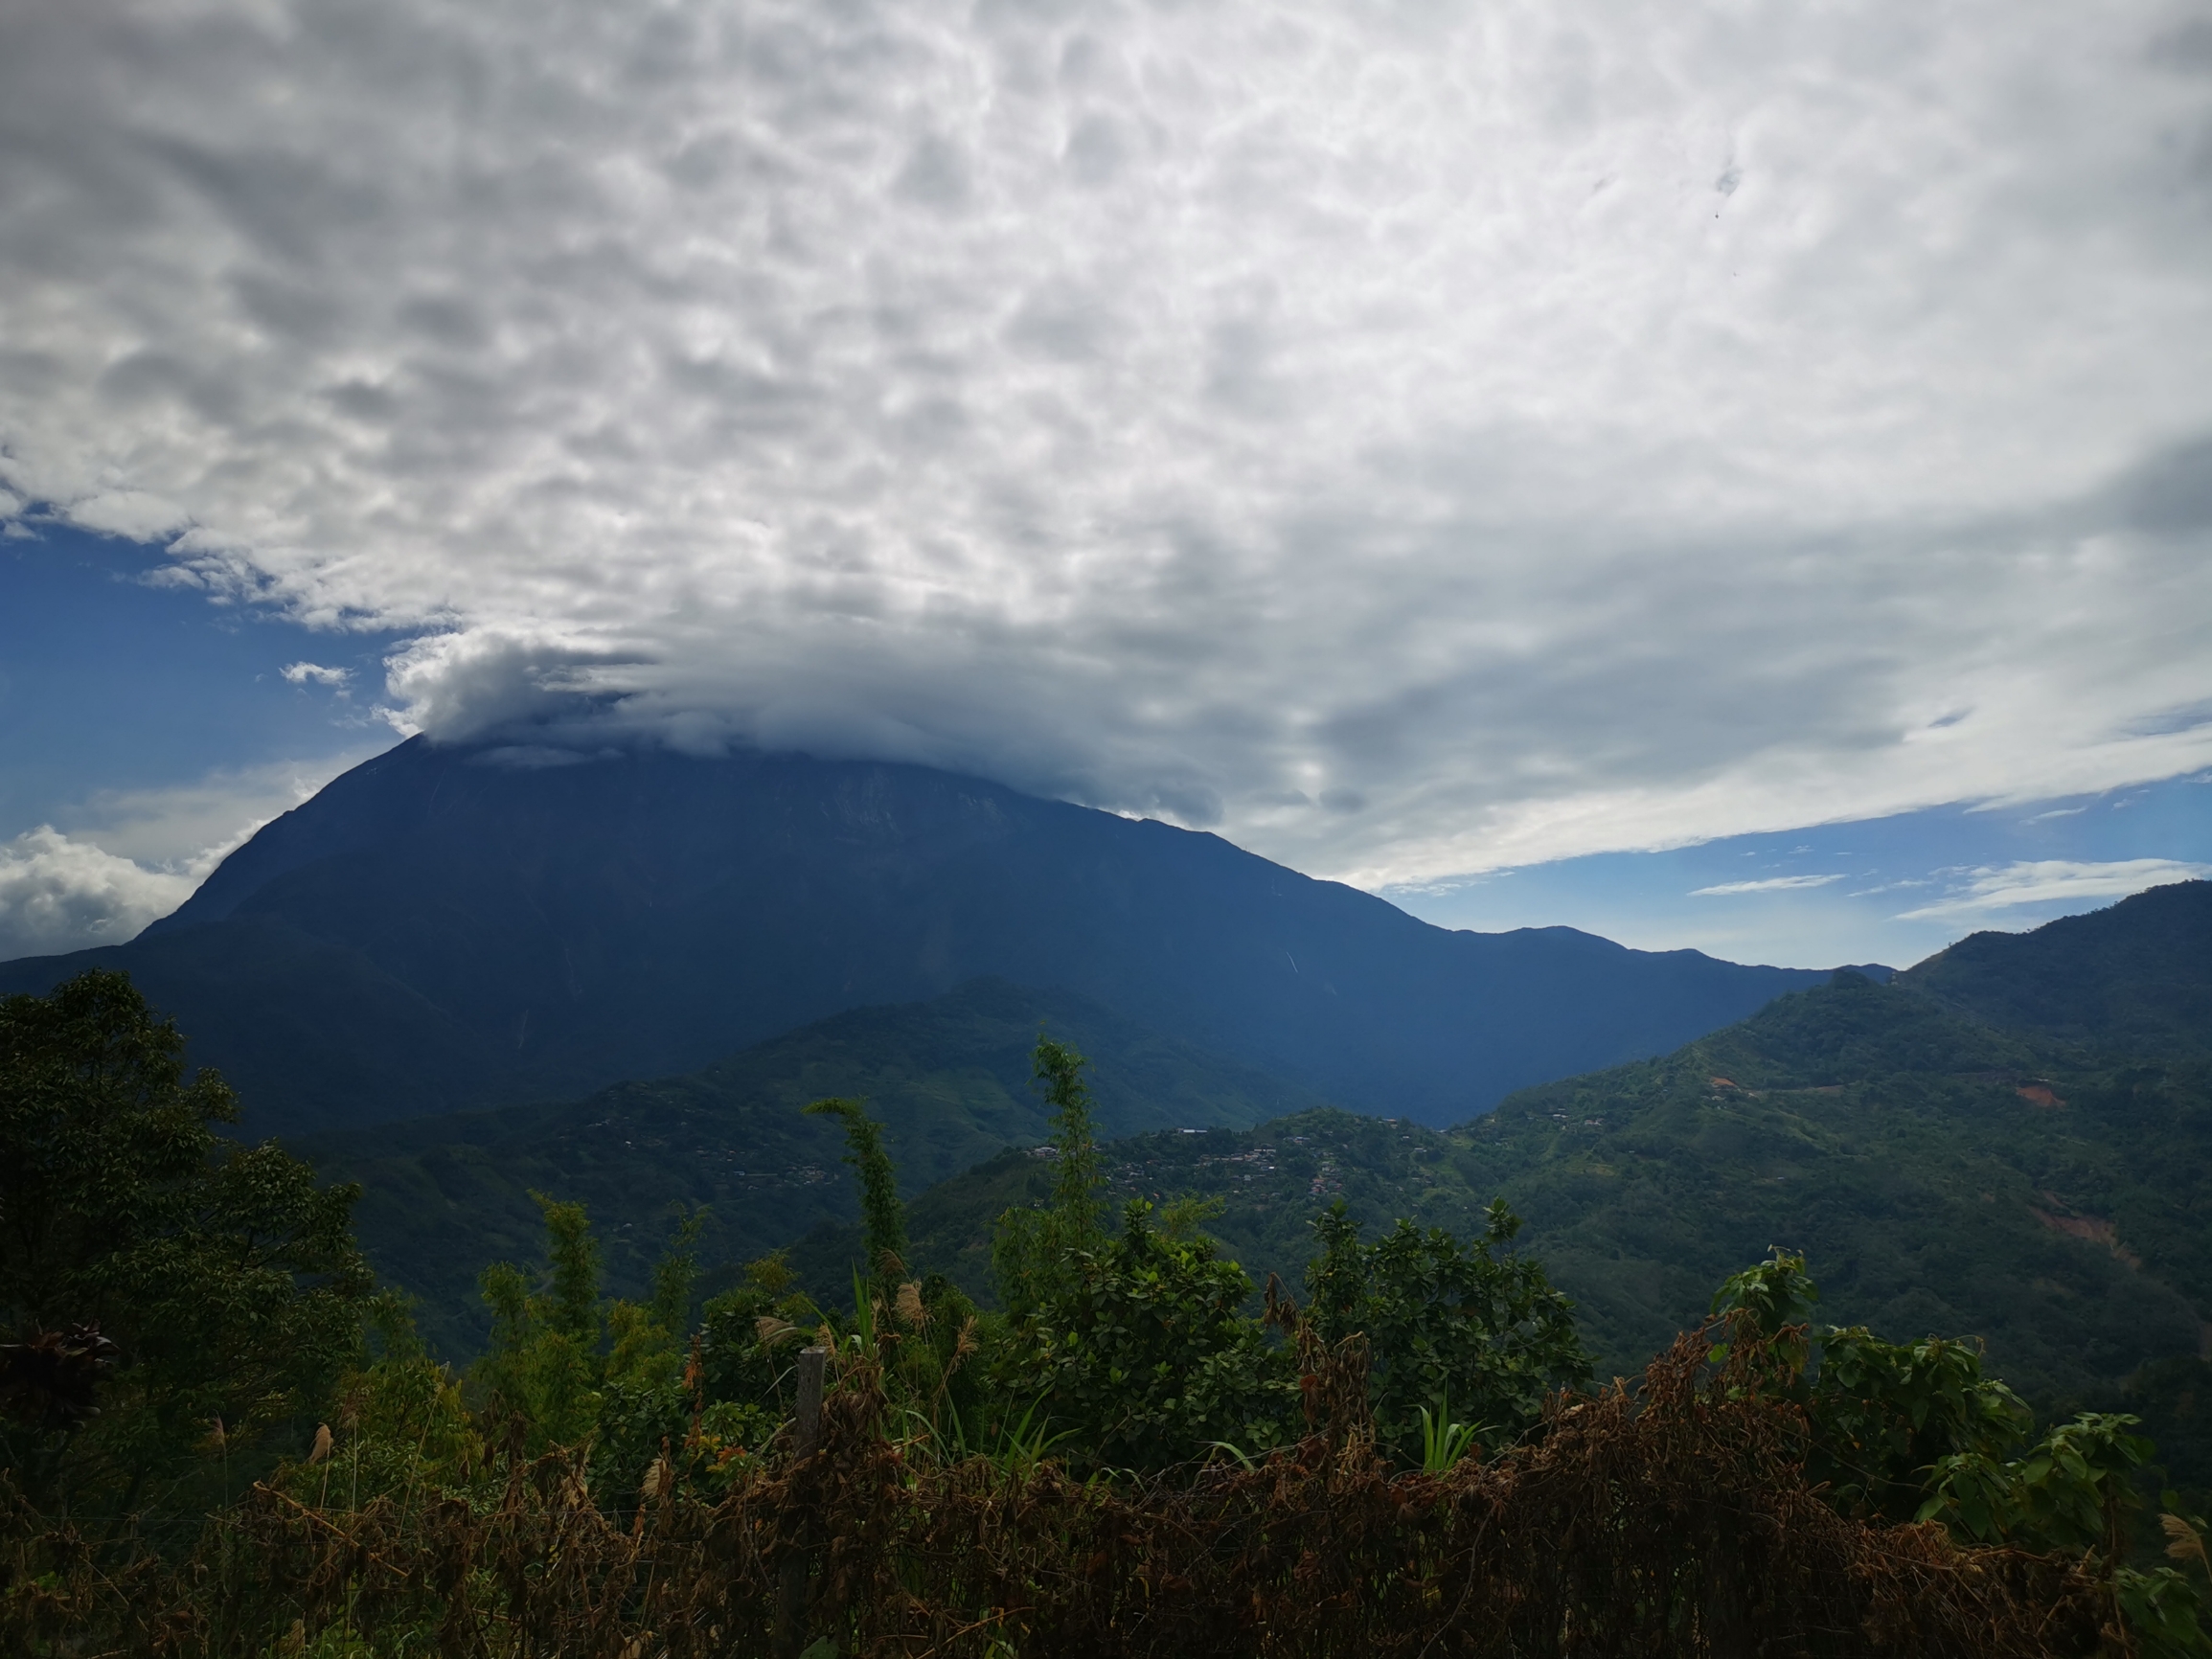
pixel 806 1438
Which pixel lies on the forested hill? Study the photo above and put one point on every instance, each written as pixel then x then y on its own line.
pixel 1943 1175
pixel 446 928
pixel 2135 978
pixel 445 1198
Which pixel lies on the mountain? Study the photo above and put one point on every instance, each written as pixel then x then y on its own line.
pixel 442 1197
pixel 2045 1192
pixel 448 928
pixel 2055 1202
pixel 2133 978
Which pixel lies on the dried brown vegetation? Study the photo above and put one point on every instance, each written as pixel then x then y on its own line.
pixel 1667 1518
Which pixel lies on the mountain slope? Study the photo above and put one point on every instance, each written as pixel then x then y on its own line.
pixel 445 928
pixel 2056 1204
pixel 444 1196
pixel 2133 978
pixel 1943 1175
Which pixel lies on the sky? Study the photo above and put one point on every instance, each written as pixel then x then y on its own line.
pixel 1734 475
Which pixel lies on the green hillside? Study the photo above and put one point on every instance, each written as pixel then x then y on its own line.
pixel 1940 1177
pixel 1947 1164
pixel 444 1196
pixel 2133 979
pixel 1943 1175
pixel 1272 1179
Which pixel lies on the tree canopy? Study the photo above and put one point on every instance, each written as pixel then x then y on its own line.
pixel 228 1284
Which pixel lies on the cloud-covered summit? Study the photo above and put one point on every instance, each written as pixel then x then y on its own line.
pixel 1413 440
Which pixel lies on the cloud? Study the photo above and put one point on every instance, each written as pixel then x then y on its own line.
pixel 123 858
pixel 58 894
pixel 304 673
pixel 1412 440
pixel 1772 884
pixel 2059 883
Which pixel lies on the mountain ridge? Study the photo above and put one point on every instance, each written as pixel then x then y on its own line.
pixel 1943 1175
pixel 447 928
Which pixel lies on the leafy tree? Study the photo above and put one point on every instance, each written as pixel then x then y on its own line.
pixel 1468 1331
pixel 1144 1355
pixel 1913 1431
pixel 1136 1349
pixel 562 1370
pixel 542 1369
pixel 649 1394
pixel 748 1333
pixel 230 1284
pixel 1881 1414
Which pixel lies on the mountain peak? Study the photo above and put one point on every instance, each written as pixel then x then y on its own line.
pixel 442 927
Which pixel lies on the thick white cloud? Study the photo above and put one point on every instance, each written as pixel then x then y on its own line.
pixel 60 893
pixel 1416 439
pixel 123 858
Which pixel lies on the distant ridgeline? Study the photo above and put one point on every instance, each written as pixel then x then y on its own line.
pixel 447 929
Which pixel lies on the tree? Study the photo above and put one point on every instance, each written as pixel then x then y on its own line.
pixel 883 1216
pixel 1144 1356
pixel 1914 1431
pixel 1880 1414
pixel 230 1286
pixel 542 1368
pixel 1465 1331
pixel 562 1370
pixel 1031 1249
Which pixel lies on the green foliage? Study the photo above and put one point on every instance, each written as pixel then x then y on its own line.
pixel 2070 1490
pixel 1900 1432
pixel 405 1431
pixel 949 1078
pixel 1136 1349
pixel 1884 1413
pixel 544 1367
pixel 1143 1354
pixel 1771 1296
pixel 1443 1442
pixel 229 1283
pixel 1033 1250
pixel 1444 1322
pixel 565 1370
pixel 2162 1611
pixel 1881 1414
pixel 1074 1136
pixel 748 1334
pixel 883 1216
pixel 926 1337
